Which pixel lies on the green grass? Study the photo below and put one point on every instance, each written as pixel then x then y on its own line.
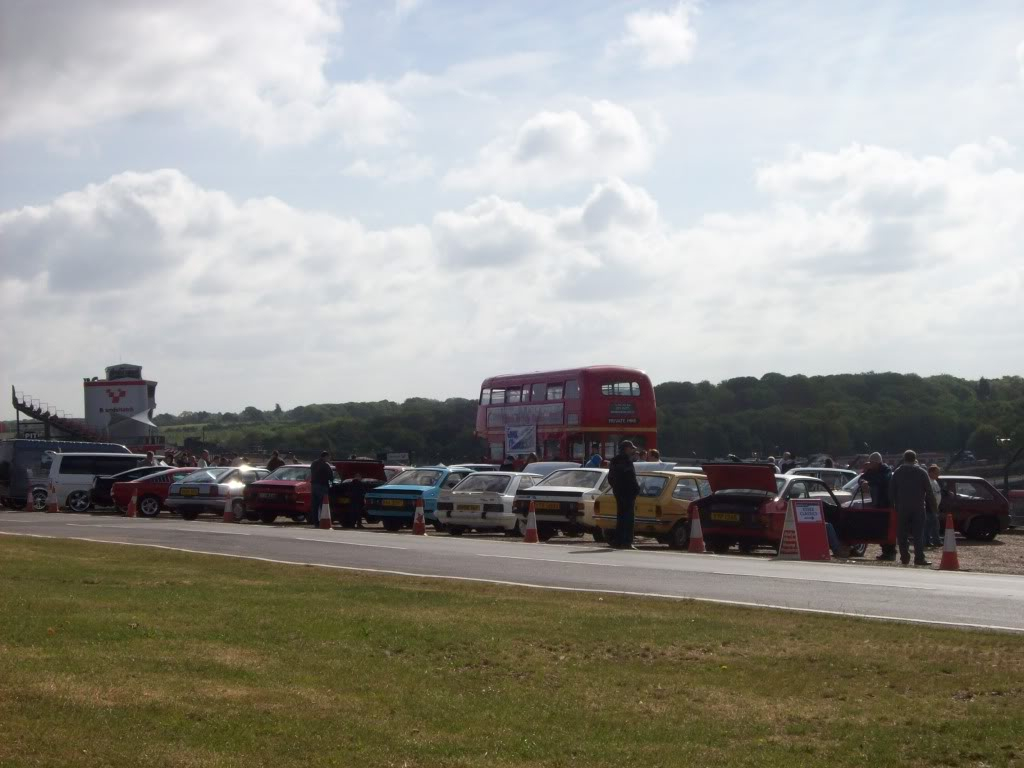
pixel 114 656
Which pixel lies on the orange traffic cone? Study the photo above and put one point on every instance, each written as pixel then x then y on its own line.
pixel 229 510
pixel 696 533
pixel 950 561
pixel 325 515
pixel 133 509
pixel 530 534
pixel 419 521
pixel 51 499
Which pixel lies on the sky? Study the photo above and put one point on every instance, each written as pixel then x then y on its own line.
pixel 298 201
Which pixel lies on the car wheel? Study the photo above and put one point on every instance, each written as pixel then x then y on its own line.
pixel 149 506
pixel 598 535
pixel 391 524
pixel 983 529
pixel 546 532
pixel 268 518
pixel 679 536
pixel 747 547
pixel 456 530
pixel 857 550
pixel 189 514
pixel 79 501
pixel 39 500
pixel 252 516
pixel 440 527
pixel 717 545
pixel 295 518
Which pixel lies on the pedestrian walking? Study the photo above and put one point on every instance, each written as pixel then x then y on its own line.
pixel 625 487
pixel 321 475
pixel 275 461
pixel 875 479
pixel 911 493
pixel 931 522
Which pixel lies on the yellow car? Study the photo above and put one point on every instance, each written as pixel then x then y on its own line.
pixel 662 508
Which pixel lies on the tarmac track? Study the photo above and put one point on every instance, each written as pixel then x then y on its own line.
pixel 967 600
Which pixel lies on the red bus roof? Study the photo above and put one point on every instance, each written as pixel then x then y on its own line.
pixel 551 376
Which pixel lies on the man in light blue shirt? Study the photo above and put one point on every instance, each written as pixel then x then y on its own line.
pixel 596 459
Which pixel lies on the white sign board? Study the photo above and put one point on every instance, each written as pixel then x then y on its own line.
pixel 104 399
pixel 520 441
pixel 807 510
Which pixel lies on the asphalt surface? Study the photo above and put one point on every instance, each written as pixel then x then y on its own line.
pixel 970 600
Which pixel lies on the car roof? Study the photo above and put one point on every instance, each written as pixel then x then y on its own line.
pixel 100 453
pixel 962 477
pixel 670 473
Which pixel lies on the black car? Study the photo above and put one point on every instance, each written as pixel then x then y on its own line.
pixel 102 485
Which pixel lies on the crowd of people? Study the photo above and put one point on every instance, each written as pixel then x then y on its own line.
pixel 185 458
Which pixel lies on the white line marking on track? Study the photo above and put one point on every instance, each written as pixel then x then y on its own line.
pixel 547 560
pixel 347 543
pixel 554 588
pixel 163 528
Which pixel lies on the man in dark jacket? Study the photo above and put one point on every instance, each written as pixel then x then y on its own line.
pixel 321 475
pixel 911 493
pixel 622 479
pixel 875 480
pixel 275 461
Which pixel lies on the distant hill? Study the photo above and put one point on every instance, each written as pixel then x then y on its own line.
pixel 841 415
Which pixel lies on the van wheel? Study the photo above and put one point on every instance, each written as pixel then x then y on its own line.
pixel 679 536
pixel 149 506
pixel 983 529
pixel 390 524
pixel 267 518
pixel 39 500
pixel 79 501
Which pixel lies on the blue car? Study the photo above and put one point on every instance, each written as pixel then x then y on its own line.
pixel 394 504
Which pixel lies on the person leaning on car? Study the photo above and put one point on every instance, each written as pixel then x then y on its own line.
pixel 875 478
pixel 625 487
pixel 320 478
pixel 911 493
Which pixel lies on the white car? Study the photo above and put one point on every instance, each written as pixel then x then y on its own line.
pixel 833 477
pixel 564 501
pixel 208 490
pixel 72 474
pixel 483 502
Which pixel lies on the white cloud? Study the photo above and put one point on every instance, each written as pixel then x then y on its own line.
pixel 405 7
pixel 392 169
pixel 863 258
pixel 256 68
pixel 662 39
pixel 551 149
pixel 1020 58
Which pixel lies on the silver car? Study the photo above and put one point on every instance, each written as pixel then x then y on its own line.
pixel 208 490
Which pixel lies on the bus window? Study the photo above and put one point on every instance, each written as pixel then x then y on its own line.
pixel 572 390
pixel 512 395
pixel 485 397
pixel 554 392
pixel 539 392
pixel 497 396
pixel 621 389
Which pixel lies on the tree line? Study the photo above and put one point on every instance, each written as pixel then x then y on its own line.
pixel 839 414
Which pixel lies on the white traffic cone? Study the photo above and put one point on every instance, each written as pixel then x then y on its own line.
pixel 696 545
pixel 530 534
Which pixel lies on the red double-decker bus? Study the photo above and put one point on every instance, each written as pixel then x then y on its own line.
pixel 560 415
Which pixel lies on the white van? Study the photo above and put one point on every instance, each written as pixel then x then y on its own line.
pixel 72 474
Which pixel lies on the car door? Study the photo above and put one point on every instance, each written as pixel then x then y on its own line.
pixel 648 510
pixel 687 490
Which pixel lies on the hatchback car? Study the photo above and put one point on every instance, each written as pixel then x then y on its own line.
pixel 394 504
pixel 662 508
pixel 484 502
pixel 979 510
pixel 284 492
pixel 563 501
pixel 151 490
pixel 208 490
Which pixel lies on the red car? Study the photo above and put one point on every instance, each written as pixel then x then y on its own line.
pixel 979 510
pixel 286 491
pixel 151 489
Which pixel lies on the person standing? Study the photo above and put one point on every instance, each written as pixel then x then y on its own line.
pixel 150 459
pixel 625 487
pixel 509 464
pixel 787 462
pixel 931 522
pixel 356 502
pixel 321 474
pixel 911 493
pixel 204 460
pixel 595 457
pixel 875 479
pixel 275 461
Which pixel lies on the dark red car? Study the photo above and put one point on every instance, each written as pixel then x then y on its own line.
pixel 151 489
pixel 286 492
pixel 979 510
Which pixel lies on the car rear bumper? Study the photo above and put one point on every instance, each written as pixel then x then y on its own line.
pixel 204 504
pixel 504 520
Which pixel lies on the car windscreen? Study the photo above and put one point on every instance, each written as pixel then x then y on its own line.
pixel 853 486
pixel 484 482
pixel 417 477
pixel 209 475
pixel 573 478
pixel 299 474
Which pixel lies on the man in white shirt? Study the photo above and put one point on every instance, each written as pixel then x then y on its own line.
pixel 204 460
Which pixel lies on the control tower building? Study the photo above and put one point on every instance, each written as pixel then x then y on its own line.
pixel 120 406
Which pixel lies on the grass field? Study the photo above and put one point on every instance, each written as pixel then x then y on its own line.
pixel 123 656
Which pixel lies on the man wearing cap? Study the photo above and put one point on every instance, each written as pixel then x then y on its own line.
pixel 622 479
pixel 321 474
pixel 911 493
pixel 875 479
